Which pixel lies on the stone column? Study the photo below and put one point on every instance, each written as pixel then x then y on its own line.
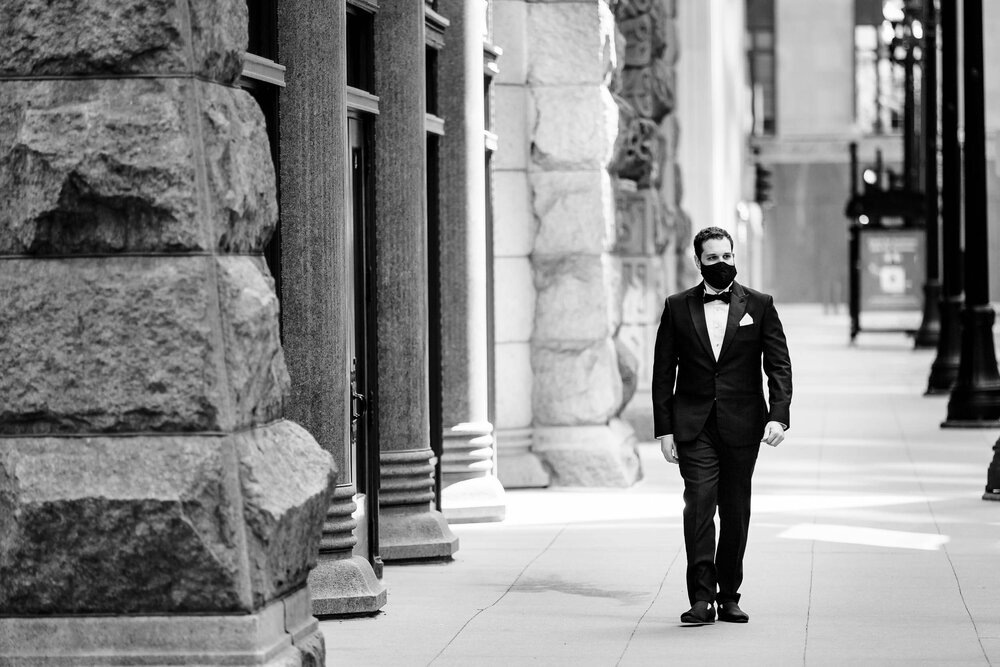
pixel 578 388
pixel 409 527
pixel 513 240
pixel 315 296
pixel 155 506
pixel 471 490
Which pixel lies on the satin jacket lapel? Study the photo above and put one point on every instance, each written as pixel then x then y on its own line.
pixel 737 309
pixel 697 309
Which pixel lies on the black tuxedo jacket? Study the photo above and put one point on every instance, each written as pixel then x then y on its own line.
pixel 688 381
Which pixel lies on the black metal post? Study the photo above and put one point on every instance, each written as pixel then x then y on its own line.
pixel 909 122
pixel 853 282
pixel 993 475
pixel 944 369
pixel 975 398
pixel 930 326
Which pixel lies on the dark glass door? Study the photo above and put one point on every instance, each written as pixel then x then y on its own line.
pixel 362 348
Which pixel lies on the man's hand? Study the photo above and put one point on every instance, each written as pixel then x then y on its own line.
pixel 774 433
pixel 669 448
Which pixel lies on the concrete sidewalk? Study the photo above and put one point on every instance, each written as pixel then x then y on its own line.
pixel 869 545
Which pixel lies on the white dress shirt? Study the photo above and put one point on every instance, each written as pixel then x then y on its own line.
pixel 716 317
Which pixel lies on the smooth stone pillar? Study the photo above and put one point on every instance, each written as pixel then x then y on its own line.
pixel 513 242
pixel 155 506
pixel 314 291
pixel 409 526
pixel 470 488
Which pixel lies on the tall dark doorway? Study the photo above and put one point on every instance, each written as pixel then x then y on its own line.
pixel 362 110
pixel 264 78
pixel 362 352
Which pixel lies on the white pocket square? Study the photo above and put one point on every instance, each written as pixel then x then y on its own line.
pixel 746 320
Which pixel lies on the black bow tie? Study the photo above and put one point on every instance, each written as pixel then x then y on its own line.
pixel 721 296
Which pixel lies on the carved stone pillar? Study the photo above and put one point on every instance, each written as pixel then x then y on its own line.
pixel 315 296
pixel 155 506
pixel 578 387
pixel 649 217
pixel 409 527
pixel 470 488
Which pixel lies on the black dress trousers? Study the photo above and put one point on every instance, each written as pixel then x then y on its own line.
pixel 716 475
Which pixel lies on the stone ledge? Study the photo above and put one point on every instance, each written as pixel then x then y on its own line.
pixel 260 638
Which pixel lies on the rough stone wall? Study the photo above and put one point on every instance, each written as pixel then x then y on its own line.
pixel 578 386
pixel 649 218
pixel 571 51
pixel 144 464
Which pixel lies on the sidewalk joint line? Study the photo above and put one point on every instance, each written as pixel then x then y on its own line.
pixel 656 597
pixel 944 547
pixel 812 550
pixel 502 595
pixel 809 598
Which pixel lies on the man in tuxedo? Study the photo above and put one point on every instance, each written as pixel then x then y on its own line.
pixel 710 415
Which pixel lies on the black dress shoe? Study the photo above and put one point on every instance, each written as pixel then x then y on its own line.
pixel 730 612
pixel 700 613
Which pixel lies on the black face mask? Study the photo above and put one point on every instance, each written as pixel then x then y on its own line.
pixel 718 275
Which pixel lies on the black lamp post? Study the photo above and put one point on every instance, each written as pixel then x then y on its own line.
pixel 930 327
pixel 975 398
pixel 944 369
pixel 903 50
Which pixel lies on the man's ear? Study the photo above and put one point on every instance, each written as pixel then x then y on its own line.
pixel 697 263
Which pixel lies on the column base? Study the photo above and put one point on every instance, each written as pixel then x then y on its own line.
pixel 281 634
pixel 992 491
pixel 930 325
pixel 944 369
pixel 971 423
pixel 345 587
pixel 470 491
pixel 414 533
pixel 476 500
pixel 517 466
pixel 590 455
pixel 408 526
pixel 975 398
pixel 974 407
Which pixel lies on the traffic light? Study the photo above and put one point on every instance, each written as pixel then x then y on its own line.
pixel 762 185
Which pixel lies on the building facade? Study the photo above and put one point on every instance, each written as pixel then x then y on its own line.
pixel 467 214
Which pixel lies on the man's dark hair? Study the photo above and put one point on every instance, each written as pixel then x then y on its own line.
pixel 710 233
